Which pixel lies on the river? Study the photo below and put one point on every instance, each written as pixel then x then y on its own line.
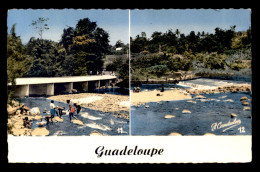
pixel 209 115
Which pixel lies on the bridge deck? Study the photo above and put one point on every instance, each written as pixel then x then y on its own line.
pixel 47 80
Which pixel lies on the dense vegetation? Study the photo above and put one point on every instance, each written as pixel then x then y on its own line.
pixel 80 51
pixel 223 53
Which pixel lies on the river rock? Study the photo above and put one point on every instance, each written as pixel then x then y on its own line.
pixel 26 108
pixel 147 106
pixel 35 111
pixel 21 132
pixel 245 103
pixel 228 100
pixel 41 123
pixel 77 121
pixel 233 115
pixel 174 134
pixel 200 97
pixel 209 134
pixel 11 111
pixel 38 117
pixel 244 98
pixel 40 132
pixel 196 92
pixel 95 133
pixel 169 116
pixel 186 111
pixel 57 119
pixel 246 108
pixel 192 101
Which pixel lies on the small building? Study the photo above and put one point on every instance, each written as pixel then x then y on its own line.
pixel 119 49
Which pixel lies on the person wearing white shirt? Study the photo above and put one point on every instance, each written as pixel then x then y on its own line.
pixel 52 108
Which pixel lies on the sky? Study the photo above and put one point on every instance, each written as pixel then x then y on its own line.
pixel 116 21
pixel 188 20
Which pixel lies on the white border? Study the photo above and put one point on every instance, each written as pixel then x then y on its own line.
pixel 176 149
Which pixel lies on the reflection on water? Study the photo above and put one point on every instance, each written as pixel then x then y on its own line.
pixel 115 90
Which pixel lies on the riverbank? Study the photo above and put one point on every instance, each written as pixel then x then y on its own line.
pixel 186 90
pixel 157 96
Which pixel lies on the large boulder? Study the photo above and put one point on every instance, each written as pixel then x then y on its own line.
pixel 35 111
pixel 40 132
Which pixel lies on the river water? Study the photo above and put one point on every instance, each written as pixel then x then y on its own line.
pixel 104 123
pixel 209 115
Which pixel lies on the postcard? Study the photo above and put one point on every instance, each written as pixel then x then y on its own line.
pixel 129 85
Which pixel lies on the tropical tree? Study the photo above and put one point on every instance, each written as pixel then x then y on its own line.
pixel 91 44
pixel 40 25
pixel 17 63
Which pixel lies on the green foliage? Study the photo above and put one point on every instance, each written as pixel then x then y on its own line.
pixel 158 70
pixel 121 66
pixel 215 61
pixel 178 43
pixel 17 63
pixel 80 50
pixel 46 59
pixel 91 44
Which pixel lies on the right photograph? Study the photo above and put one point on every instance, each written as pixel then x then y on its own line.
pixel 190 72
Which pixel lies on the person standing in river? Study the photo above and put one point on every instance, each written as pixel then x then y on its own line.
pixel 78 107
pixel 71 112
pixel 52 108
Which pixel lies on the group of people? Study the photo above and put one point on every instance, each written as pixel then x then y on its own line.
pixel 58 110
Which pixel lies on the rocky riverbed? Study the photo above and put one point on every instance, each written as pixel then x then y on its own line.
pixel 203 113
pixel 97 117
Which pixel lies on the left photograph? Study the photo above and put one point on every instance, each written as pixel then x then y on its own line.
pixel 68 72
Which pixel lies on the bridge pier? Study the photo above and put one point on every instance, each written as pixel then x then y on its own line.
pixel 61 88
pixel 85 86
pixel 50 89
pixel 22 90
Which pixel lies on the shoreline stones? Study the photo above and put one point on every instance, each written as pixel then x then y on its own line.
pixel 222 89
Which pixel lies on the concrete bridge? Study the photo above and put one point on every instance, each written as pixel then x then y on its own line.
pixel 41 86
